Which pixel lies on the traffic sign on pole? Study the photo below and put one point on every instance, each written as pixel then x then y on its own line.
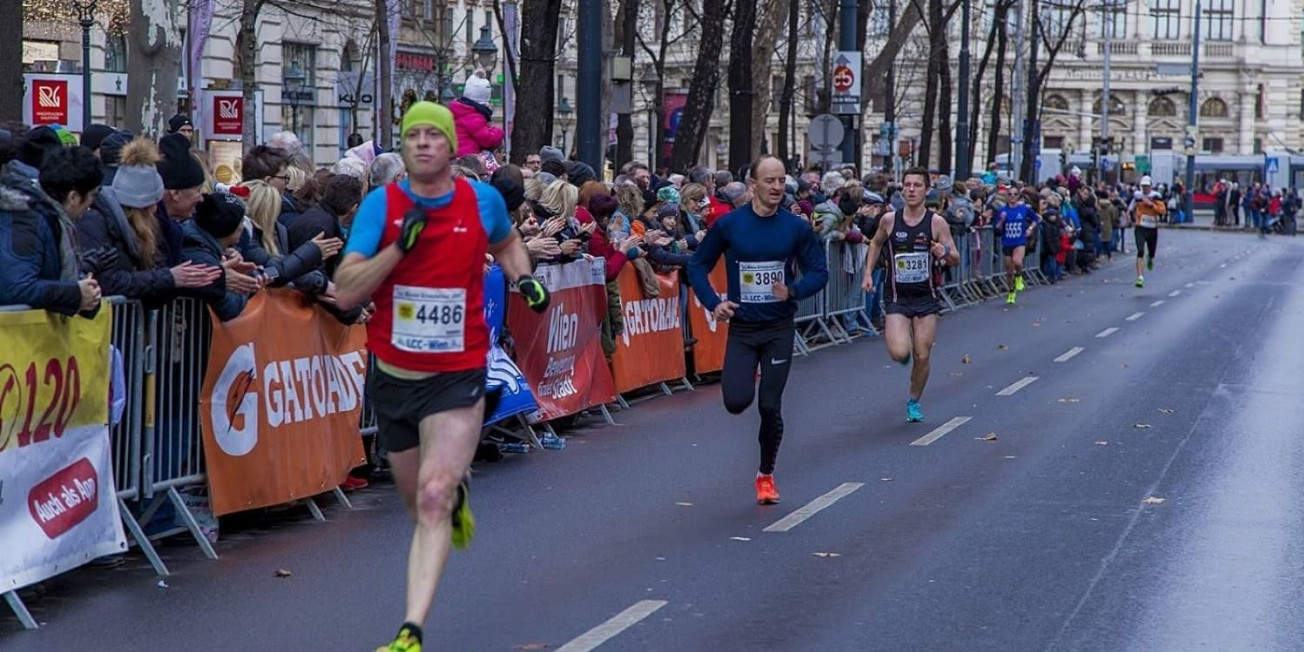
pixel 825 132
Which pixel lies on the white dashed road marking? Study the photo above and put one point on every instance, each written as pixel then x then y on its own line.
pixel 1068 355
pixel 1017 385
pixel 1134 316
pixel 1157 303
pixel 1174 293
pixel 1190 285
pixel 610 629
pixel 1107 332
pixel 941 431
pixel 814 507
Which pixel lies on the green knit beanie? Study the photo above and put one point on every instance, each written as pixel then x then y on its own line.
pixel 432 115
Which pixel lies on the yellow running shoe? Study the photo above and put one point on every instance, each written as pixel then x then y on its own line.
pixel 1018 284
pixel 404 642
pixel 463 519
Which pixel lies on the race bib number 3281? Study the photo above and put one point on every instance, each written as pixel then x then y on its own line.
pixel 912 267
pixel 429 320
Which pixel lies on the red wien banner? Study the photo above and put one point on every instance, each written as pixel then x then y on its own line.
pixel 651 348
pixel 560 351
pixel 710 333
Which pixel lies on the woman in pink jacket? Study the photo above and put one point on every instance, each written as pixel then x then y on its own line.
pixel 471 116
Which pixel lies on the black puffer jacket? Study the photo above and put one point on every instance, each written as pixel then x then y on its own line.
pixel 200 247
pixel 300 266
pixel 104 228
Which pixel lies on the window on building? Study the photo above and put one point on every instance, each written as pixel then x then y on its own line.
pixel 1056 104
pixel 1258 145
pixel 1219 15
pixel 299 96
pixel 1213 108
pixel 1055 21
pixel 1052 142
pixel 1166 19
pixel 469 27
pixel 1114 20
pixel 1116 106
pixel 1161 107
pixel 115 54
pixel 1260 106
pixel 115 109
pixel 808 94
pixel 1212 145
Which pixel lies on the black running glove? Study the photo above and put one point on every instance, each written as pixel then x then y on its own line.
pixel 535 294
pixel 414 222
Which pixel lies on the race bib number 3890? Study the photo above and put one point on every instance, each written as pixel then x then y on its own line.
pixel 756 281
pixel 429 320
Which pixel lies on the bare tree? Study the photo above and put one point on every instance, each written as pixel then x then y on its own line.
pixel 667 10
pixel 769 22
pixel 1052 37
pixel 385 76
pixel 533 127
pixel 999 23
pixel 153 65
pixel 998 86
pixel 11 61
pixel 701 90
pixel 741 90
pixel 626 36
pixel 247 49
pixel 876 72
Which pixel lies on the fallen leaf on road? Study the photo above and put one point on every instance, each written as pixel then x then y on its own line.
pixel 991 436
pixel 1167 410
pixel 1140 426
pixel 957 374
pixel 886 479
pixel 1009 457
pixel 1152 500
pixel 1036 324
pixel 965 359
pixel 1002 347
pixel 1070 400
pixel 739 539
pixel 684 504
pixel 281 572
pixel 827 554
pixel 1102 443
pixel 531 646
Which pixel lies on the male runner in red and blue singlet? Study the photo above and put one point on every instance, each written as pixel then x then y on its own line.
pixel 417 249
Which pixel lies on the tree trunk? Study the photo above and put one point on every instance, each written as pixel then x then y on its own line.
pixel 768 24
pixel 385 74
pixel 945 138
pixel 824 95
pixel 976 97
pixel 876 72
pixel 998 86
pixel 936 41
pixel 1028 168
pixel 153 65
pixel 789 85
pixel 627 19
pixel 11 61
pixel 741 89
pixel 700 104
pixel 533 127
pixel 247 52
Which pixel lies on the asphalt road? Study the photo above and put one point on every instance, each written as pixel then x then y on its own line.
pixel 1141 494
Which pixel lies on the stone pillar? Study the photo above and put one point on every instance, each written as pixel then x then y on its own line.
pixel 1086 123
pixel 1245 139
pixel 1140 136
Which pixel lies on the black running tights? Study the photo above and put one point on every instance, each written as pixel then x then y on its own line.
pixel 769 347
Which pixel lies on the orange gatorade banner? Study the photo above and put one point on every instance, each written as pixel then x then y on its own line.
pixel 281 403
pixel 711 335
pixel 560 351
pixel 651 349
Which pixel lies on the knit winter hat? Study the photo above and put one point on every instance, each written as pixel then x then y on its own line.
pixel 95 135
pixel 38 144
pixel 137 183
pixel 477 88
pixel 112 145
pixel 512 192
pixel 220 214
pixel 65 137
pixel 669 195
pixel 176 122
pixel 432 115
pixel 550 153
pixel 179 170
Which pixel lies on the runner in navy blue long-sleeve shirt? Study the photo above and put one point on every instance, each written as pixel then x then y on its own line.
pixel 760 243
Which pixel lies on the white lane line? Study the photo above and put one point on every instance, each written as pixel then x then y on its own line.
pixel 1157 303
pixel 940 431
pixel 1222 265
pixel 814 507
pixel 1134 316
pixel 1107 332
pixel 1174 293
pixel 1068 355
pixel 1017 385
pixel 1190 285
pixel 610 629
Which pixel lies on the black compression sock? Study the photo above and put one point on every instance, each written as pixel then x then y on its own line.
pixel 413 630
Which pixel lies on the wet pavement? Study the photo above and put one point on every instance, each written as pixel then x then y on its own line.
pixel 1139 494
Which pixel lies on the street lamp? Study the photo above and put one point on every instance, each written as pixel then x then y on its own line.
pixel 86 16
pixel 484 50
pixel 652 85
pixel 565 117
pixel 294 80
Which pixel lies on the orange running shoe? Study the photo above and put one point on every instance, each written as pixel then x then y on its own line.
pixel 766 494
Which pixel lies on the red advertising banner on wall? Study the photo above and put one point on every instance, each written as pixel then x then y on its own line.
pixel 672 106
pixel 651 348
pixel 228 115
pixel 560 351
pixel 710 333
pixel 50 102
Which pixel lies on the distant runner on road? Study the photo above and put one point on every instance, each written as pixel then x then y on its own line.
pixel 1147 207
pixel 1016 224
pixel 917 240
pixel 417 247
pixel 760 242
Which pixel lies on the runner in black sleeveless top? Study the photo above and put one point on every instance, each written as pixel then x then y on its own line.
pixel 918 241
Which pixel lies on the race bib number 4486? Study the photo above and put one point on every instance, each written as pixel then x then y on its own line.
pixel 429 320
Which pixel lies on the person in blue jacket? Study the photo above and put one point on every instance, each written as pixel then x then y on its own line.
pixel 763 246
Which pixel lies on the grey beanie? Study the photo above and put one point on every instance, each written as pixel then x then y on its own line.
pixel 550 153
pixel 138 186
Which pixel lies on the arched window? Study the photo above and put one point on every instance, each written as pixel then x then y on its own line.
pixel 1056 104
pixel 1162 107
pixel 1213 108
pixel 1116 106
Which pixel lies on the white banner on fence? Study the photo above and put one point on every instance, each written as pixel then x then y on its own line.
pixel 58 506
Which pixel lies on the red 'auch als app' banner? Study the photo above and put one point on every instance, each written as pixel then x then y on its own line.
pixel 560 351
pixel 651 348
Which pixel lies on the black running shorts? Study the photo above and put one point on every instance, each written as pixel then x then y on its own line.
pixel 1008 252
pixel 920 306
pixel 401 403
